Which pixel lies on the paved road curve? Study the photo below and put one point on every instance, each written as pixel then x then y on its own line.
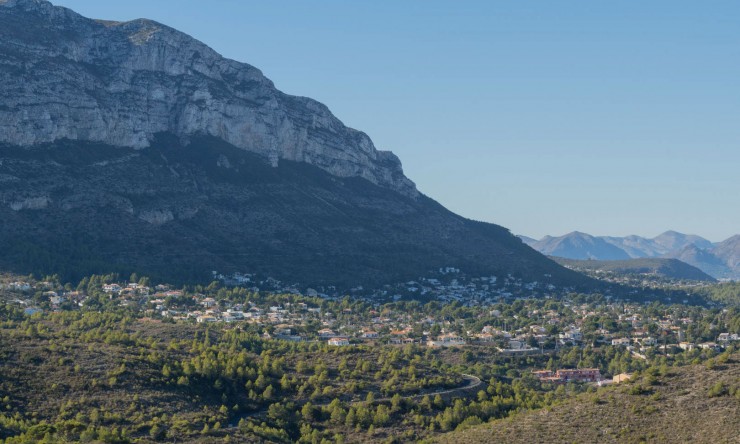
pixel 472 382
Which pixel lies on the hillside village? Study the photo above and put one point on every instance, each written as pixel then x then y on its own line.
pixel 477 314
pixel 344 368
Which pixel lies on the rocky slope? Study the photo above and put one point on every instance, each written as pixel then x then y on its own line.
pixel 68 77
pixel 133 147
pixel 673 240
pixel 721 260
pixel 729 252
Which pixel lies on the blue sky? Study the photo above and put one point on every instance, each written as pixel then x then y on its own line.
pixel 545 117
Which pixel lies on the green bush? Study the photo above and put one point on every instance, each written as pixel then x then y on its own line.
pixel 717 389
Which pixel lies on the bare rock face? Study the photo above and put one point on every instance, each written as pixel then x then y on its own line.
pixel 157 217
pixel 31 203
pixel 65 76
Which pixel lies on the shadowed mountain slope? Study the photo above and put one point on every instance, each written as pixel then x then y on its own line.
pixel 178 212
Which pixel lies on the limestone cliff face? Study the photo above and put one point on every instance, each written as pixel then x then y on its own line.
pixel 65 76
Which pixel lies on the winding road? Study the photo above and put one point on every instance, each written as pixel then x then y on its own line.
pixel 472 382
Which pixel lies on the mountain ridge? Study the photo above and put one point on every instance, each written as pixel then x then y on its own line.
pixel 577 245
pixel 721 260
pixel 121 83
pixel 130 147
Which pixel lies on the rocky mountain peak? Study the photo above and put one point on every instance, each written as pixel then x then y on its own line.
pixel 26 4
pixel 65 76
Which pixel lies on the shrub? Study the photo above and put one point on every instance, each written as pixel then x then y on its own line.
pixel 717 389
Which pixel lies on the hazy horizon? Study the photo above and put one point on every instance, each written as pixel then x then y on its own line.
pixel 647 236
pixel 602 118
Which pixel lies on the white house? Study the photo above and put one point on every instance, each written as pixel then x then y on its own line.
pixel 727 337
pixel 205 318
pixel 447 340
pixel 573 334
pixel 112 288
pixel 338 341
pixel 649 342
pixel 22 286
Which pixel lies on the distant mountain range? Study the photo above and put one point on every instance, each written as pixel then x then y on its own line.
pixel 720 260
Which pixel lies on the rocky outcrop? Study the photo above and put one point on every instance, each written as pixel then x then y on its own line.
pixel 32 203
pixel 65 76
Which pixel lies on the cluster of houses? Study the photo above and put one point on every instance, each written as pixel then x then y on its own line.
pixel 450 285
pixel 579 375
pixel 564 376
pixel 49 291
pixel 290 321
pixel 447 284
